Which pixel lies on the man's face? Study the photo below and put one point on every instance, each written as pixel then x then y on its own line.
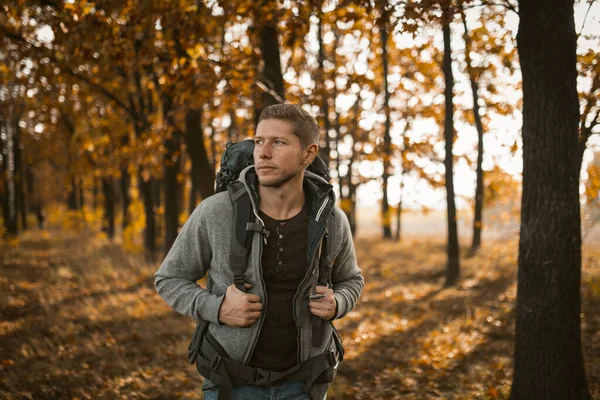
pixel 278 153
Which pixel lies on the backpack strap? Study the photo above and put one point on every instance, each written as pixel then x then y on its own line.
pixel 241 238
pixel 243 226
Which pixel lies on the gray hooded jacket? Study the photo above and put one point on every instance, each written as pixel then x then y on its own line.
pixel 203 246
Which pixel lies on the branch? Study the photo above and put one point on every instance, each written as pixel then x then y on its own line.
pixel 585 18
pixel 586 133
pixel 96 86
pixel 262 86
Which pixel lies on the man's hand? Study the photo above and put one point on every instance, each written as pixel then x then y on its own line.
pixel 323 307
pixel 239 308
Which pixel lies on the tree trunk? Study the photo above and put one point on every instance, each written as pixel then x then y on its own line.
pixel 270 78
pixel 125 181
pixel 11 188
pixel 453 267
pixel 202 174
pixel 548 355
pixel 72 195
pixel 19 176
pixel 321 92
pixel 478 217
pixel 399 210
pixel 145 188
pixel 387 139
pixel 109 206
pixel 171 188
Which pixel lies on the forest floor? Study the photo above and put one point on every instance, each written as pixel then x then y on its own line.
pixel 80 319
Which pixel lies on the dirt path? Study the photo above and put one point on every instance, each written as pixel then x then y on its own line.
pixel 79 319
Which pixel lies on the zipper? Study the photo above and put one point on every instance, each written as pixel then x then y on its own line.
pixel 264 309
pixel 321 209
pixel 311 271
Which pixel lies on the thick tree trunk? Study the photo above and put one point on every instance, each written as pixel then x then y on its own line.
pixel 548 355
pixel 202 174
pixel 453 267
pixel 478 217
pixel 387 139
pixel 270 78
pixel 109 206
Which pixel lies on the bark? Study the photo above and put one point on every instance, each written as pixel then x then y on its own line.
pixel 548 354
pixel 270 78
pixel 387 140
pixel 453 267
pixel 202 174
pixel 478 215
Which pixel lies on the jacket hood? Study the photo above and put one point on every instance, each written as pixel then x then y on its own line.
pixel 320 191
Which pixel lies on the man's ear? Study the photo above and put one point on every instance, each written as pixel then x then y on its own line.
pixel 311 153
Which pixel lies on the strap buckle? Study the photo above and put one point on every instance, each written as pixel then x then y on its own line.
pixel 238 281
pixel 214 364
pixel 263 377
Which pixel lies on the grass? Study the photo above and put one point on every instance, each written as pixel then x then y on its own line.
pixel 80 320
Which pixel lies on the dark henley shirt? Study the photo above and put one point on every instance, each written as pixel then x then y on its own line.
pixel 284 266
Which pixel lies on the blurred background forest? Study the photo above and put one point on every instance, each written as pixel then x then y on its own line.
pixel 114 115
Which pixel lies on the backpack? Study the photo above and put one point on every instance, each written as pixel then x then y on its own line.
pixel 205 350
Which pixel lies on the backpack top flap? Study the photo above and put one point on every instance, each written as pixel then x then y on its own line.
pixel 236 157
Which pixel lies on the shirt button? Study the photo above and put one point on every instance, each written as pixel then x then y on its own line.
pixel 280 263
pixel 280 236
pixel 281 249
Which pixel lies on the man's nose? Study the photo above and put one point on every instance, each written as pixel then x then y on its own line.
pixel 264 151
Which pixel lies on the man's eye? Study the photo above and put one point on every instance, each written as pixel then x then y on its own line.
pixel 278 142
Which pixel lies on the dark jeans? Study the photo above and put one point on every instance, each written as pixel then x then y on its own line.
pixel 282 391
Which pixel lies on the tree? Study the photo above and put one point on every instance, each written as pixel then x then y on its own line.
pixel 478 217
pixel 548 355
pixel 453 266
pixel 383 23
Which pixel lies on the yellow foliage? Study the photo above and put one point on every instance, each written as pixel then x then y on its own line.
pixel 346 205
pixel 134 231
pixel 592 186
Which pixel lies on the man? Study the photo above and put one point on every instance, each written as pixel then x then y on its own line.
pixel 283 319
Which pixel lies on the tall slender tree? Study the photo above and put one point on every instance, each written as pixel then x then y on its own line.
pixel 478 215
pixel 387 139
pixel 453 266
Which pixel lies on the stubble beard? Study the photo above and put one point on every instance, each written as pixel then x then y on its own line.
pixel 279 182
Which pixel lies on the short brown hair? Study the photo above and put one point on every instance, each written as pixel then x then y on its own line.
pixel 304 125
